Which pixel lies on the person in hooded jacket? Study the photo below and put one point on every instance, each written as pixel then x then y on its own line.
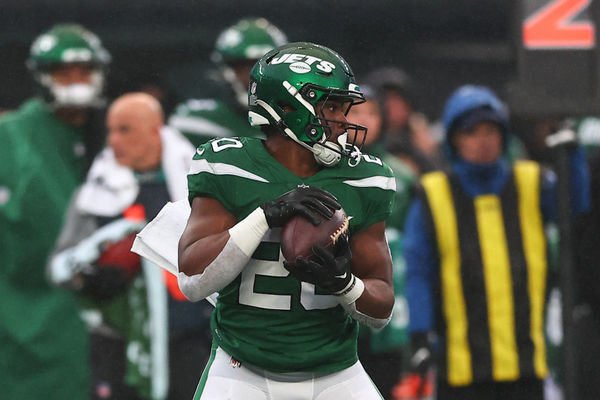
pixel 476 257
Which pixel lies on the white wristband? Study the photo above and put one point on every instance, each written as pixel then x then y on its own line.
pixel 372 322
pixel 248 233
pixel 351 292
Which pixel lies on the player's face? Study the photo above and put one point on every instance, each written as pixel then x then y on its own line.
pixel 333 112
pixel 481 144
pixel 367 114
pixel 70 74
pixel 131 139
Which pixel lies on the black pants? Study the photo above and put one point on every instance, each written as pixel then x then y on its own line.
pixel 384 369
pixel 524 389
pixel 107 365
pixel 588 360
pixel 187 359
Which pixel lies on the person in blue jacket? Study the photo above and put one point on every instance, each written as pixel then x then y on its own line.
pixel 476 257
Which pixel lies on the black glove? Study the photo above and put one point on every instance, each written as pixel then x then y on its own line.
pixel 113 271
pixel 102 282
pixel 304 200
pixel 324 269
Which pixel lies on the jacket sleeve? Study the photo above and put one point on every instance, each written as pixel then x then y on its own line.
pixel 76 227
pixel 421 264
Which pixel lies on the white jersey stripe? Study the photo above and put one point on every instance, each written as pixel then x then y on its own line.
pixel 198 126
pixel 382 182
pixel 222 169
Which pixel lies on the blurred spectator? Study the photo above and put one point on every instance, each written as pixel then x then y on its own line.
pixel 369 114
pixel 476 257
pixel 406 131
pixel 46 147
pixel 143 168
pixel 381 352
pixel 588 253
pixel 539 127
pixel 236 51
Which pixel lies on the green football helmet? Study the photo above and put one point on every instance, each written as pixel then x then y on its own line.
pixel 67 44
pixel 245 42
pixel 288 84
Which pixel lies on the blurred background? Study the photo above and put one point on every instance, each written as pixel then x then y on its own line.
pixel 154 42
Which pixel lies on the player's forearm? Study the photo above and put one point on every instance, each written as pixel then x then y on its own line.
pixel 370 302
pixel 196 252
pixel 219 273
pixel 377 300
pixel 219 264
pixel 375 306
pixel 195 257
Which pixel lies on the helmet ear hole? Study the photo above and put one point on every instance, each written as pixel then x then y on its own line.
pixel 312 132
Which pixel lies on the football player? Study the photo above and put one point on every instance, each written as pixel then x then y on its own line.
pixel 236 51
pixel 289 330
pixel 45 148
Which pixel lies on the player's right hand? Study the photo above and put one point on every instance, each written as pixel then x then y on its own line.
pixel 303 200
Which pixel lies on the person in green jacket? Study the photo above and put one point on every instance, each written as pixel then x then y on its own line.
pixel 224 110
pixel 45 148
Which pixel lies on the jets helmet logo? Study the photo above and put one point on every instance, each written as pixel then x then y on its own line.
pixel 301 63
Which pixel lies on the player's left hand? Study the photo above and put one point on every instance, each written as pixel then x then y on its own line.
pixel 324 269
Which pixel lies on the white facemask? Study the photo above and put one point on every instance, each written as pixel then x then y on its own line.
pixel 324 152
pixel 75 95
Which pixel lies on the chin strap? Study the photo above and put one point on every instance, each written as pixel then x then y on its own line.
pixel 326 153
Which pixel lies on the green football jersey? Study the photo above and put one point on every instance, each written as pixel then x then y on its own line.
pixel 265 316
pixel 201 120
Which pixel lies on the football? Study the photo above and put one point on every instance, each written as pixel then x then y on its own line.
pixel 299 235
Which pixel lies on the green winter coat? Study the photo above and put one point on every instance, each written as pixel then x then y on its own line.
pixel 43 343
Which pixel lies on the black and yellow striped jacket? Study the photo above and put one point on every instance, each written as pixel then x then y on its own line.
pixel 492 276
